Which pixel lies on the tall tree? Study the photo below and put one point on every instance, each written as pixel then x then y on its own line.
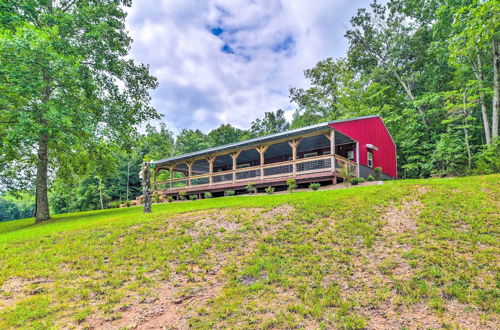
pixel 225 134
pixel 190 141
pixel 65 82
pixel 273 122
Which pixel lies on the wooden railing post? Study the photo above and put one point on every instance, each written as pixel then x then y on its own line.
pixel 294 144
pixel 189 164
pixel 262 150
pixel 155 173
pixel 171 170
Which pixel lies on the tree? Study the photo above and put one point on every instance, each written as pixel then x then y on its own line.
pixel 65 83
pixel 273 122
pixel 190 141
pixel 225 134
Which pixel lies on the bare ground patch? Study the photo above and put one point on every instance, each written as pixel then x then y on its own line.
pixel 16 289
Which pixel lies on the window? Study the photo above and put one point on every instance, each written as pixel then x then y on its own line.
pixel 370 159
pixel 311 154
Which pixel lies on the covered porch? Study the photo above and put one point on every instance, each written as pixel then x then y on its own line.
pixel 303 156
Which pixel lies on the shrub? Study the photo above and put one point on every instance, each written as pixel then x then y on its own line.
pixel 182 195
pixel 345 173
pixel 170 199
pixel 378 173
pixel 488 159
pixel 370 178
pixel 207 195
pixel 292 184
pixel 155 198
pixel 229 192
pixel 270 190
pixel 355 181
pixel 128 203
pixel 114 205
pixel 315 186
pixel 251 188
pixel 193 197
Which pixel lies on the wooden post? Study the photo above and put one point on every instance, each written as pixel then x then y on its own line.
pixel 234 156
pixel 210 160
pixel 146 187
pixel 332 149
pixel 171 176
pixel 189 164
pixel 262 150
pixel 294 144
pixel 357 159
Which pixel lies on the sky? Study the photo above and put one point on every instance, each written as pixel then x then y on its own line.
pixel 229 61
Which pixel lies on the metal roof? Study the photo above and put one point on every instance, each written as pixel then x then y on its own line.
pixel 257 140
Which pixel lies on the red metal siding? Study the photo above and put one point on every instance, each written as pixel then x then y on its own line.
pixel 372 131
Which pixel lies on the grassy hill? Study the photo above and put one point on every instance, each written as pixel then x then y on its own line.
pixel 416 253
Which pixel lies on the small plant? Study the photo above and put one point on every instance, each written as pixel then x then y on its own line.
pixel 356 181
pixel 370 178
pixel 182 195
pixel 193 197
pixel 314 186
pixel 251 188
pixel 155 198
pixel 114 205
pixel 269 190
pixel 207 195
pixel 292 184
pixel 229 192
pixel 128 203
pixel 378 173
pixel 170 199
pixel 345 173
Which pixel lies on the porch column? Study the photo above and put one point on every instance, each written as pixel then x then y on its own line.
pixel 234 156
pixel 210 169
pixel 262 150
pixel 155 173
pixel 294 144
pixel 332 149
pixel 189 164
pixel 171 170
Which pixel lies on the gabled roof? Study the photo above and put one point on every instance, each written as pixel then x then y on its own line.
pixel 258 140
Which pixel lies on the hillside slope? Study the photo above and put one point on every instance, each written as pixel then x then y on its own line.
pixel 416 253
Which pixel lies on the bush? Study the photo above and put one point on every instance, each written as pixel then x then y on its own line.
pixel 207 195
pixel 370 178
pixel 229 193
pixel 114 205
pixel 314 186
pixel 345 173
pixel 182 195
pixel 269 190
pixel 193 197
pixel 251 188
pixel 356 181
pixel 292 184
pixel 488 160
pixel 170 199
pixel 128 203
pixel 378 173
pixel 155 198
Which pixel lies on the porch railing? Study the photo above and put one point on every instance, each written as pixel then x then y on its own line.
pixel 296 169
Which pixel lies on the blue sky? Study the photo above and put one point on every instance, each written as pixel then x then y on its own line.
pixel 229 61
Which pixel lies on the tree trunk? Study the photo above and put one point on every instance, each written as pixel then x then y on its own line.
pixel 42 200
pixel 412 97
pixel 482 100
pixel 466 133
pixel 496 89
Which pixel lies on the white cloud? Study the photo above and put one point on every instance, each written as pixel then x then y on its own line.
pixel 246 67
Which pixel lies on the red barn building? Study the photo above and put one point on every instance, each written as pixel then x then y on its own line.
pixel 309 154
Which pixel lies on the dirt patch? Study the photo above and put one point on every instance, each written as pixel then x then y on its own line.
pixel 401 219
pixel 15 289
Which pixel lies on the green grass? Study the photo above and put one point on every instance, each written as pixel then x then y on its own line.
pixel 308 259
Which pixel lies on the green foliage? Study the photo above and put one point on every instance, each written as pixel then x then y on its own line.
pixel 170 198
pixel 370 178
pixel 193 197
pixel 345 173
pixel 114 204
pixel 251 188
pixel 450 156
pixel 291 184
pixel 356 181
pixel 378 173
pixel 155 198
pixel 229 192
pixel 314 186
pixel 225 134
pixel 207 195
pixel 273 122
pixel 182 195
pixel 269 190
pixel 488 159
